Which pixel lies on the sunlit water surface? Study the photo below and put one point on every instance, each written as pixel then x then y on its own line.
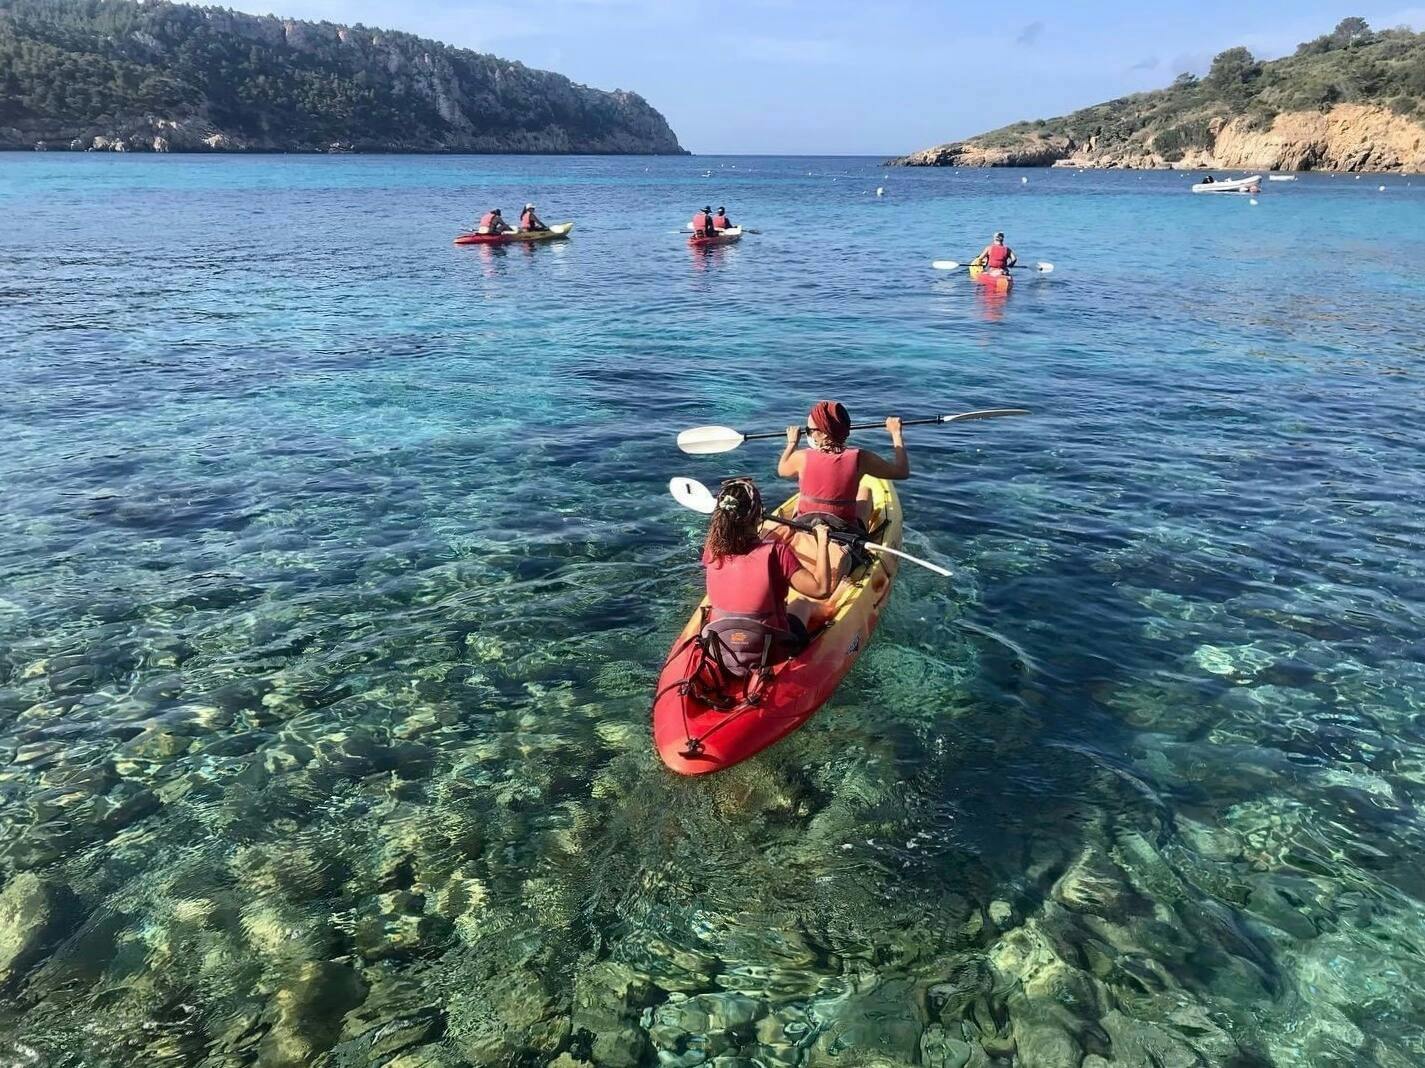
pixel 336 567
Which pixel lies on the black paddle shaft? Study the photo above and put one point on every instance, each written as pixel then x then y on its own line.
pixel 854 426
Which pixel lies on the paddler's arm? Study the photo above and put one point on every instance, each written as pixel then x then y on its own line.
pixel 817 582
pixel 1013 259
pixel 983 258
pixel 790 463
pixel 896 469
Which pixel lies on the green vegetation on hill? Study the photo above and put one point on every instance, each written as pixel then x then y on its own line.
pixel 1352 64
pixel 79 68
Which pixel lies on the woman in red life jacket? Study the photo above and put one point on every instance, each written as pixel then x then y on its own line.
pixel 702 223
pixel 749 575
pixel 997 257
pixel 829 474
pixel 492 223
pixel 530 221
pixel 721 221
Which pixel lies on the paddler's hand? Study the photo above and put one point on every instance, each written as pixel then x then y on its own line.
pixel 794 435
pixel 893 428
pixel 822 532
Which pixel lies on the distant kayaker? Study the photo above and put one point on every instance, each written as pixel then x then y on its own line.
pixel 829 474
pixel 721 221
pixel 702 223
pixel 492 223
pixel 749 574
pixel 997 256
pixel 530 221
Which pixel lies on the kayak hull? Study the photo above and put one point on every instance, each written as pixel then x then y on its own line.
pixel 842 627
pixel 994 281
pixel 1237 185
pixel 726 237
pixel 521 237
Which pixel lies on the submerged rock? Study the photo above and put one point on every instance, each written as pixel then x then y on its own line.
pixel 309 1009
pixel 34 914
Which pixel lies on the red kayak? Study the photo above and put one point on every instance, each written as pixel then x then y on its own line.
pixel 722 237
pixel 992 278
pixel 698 729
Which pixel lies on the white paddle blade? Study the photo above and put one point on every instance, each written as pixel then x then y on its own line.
pixel 987 413
pixel 691 493
pixel 1045 268
pixel 944 265
pixel 875 548
pixel 705 440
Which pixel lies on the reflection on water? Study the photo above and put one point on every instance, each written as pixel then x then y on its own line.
pixel 334 581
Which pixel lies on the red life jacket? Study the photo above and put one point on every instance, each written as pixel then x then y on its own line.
pixel 997 256
pixel 721 222
pixel 701 222
pixel 829 483
pixel 527 221
pixel 487 222
pixel 754 584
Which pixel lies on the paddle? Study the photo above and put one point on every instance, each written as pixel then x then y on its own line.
pixel 951 265
pixel 705 440
pixel 692 494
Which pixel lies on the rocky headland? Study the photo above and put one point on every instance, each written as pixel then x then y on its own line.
pixel 1349 101
pixel 160 77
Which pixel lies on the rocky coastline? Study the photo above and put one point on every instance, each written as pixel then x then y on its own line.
pixel 1349 137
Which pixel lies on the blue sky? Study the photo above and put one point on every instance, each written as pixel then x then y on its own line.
pixel 795 76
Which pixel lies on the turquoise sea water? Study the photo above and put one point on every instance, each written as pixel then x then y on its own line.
pixel 336 567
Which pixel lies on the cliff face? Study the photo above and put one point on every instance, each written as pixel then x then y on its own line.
pixel 1351 100
pixel 1350 137
pixel 163 77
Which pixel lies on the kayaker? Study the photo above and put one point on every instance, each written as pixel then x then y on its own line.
pixel 1209 180
pixel 829 474
pixel 530 221
pixel 702 222
pixel 997 256
pixel 721 221
pixel 749 574
pixel 492 223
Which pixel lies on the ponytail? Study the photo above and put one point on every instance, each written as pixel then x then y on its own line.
pixel 736 527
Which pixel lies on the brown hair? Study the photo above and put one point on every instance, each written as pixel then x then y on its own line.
pixel 736 527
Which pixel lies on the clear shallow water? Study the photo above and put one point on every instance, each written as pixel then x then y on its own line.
pixel 336 567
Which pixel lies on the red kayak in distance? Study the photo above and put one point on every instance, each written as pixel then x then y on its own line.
pixel 722 237
pixel 994 279
pixel 697 731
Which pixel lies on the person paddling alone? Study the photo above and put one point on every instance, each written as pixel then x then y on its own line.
pixel 721 221
pixel 829 473
pixel 492 223
pixel 702 223
pixel 997 257
pixel 749 575
pixel 529 221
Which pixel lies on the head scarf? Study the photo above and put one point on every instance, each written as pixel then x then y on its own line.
pixel 831 419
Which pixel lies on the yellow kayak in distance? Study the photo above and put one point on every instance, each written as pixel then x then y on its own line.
pixel 554 233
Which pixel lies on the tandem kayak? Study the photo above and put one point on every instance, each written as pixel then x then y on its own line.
pixel 554 233
pixel 1236 185
pixel 724 237
pixel 993 279
pixel 694 738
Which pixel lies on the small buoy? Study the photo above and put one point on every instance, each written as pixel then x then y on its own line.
pixel 1252 201
pixel 881 190
pixel 1382 189
pixel 1023 181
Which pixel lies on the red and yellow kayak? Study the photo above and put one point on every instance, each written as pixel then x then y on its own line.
pixel 694 738
pixel 993 279
pixel 722 237
pixel 554 233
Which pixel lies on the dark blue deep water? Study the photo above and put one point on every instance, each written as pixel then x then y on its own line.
pixel 337 565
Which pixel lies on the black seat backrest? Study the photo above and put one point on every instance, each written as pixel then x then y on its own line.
pixel 740 644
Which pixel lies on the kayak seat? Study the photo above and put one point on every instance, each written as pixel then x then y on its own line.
pixel 741 645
